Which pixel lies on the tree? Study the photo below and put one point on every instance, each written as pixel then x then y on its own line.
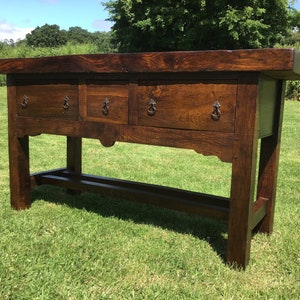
pixel 46 36
pixel 157 25
pixel 294 37
pixel 103 40
pixel 77 35
pixel 295 19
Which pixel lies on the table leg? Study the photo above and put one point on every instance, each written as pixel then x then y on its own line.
pixel 74 157
pixel 243 172
pixel 19 172
pixel 241 207
pixel 18 154
pixel 268 166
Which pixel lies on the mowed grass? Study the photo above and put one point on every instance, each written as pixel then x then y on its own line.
pixel 93 247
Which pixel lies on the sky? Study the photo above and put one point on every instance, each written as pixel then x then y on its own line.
pixel 19 17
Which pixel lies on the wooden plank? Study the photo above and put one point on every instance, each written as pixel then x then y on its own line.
pixel 204 142
pixel 48 100
pixel 282 61
pixel 269 162
pixel 259 211
pixel 172 198
pixel 133 106
pixel 188 104
pixel 267 105
pixel 18 156
pixel 114 94
pixel 243 172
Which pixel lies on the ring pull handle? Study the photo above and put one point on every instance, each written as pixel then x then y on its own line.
pixel 66 103
pixel 216 114
pixel 105 107
pixel 152 107
pixel 24 102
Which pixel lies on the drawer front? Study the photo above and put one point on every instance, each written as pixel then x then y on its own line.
pixel 198 105
pixel 48 101
pixel 107 102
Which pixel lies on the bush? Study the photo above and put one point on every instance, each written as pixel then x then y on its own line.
pixel 2 80
pixel 292 90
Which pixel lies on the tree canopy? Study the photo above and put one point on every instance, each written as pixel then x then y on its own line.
pixel 162 25
pixel 78 35
pixel 46 36
pixel 52 36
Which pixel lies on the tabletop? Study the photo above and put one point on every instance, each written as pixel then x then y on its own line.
pixel 278 63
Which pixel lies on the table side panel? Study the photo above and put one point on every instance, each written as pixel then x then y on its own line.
pixel 267 97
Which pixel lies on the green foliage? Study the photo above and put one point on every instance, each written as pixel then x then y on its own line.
pixel 155 25
pixel 293 39
pixel 292 89
pixel 244 30
pixel 46 36
pixel 104 42
pixel 50 36
pixel 295 18
pixel 77 35
pixel 2 80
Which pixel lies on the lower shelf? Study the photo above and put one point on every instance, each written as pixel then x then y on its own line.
pixel 177 199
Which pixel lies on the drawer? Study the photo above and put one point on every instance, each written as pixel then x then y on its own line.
pixel 195 104
pixel 48 100
pixel 107 101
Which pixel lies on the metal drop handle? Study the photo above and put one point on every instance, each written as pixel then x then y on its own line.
pixel 66 104
pixel 24 102
pixel 216 114
pixel 152 107
pixel 105 108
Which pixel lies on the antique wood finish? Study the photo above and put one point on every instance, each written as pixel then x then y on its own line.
pixel 218 103
pixel 18 155
pixel 107 101
pixel 187 104
pixel 281 63
pixel 269 161
pixel 243 170
pixel 74 157
pixel 48 100
pixel 191 202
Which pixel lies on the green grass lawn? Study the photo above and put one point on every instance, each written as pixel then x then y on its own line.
pixel 93 247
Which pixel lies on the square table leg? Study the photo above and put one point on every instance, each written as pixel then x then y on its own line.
pixel 243 172
pixel 268 166
pixel 74 157
pixel 19 172
pixel 18 155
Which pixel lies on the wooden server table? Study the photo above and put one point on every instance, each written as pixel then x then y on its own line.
pixel 218 103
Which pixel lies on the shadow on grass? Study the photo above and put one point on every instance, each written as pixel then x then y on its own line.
pixel 211 230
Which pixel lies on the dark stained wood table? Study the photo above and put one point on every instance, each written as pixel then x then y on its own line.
pixel 221 103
